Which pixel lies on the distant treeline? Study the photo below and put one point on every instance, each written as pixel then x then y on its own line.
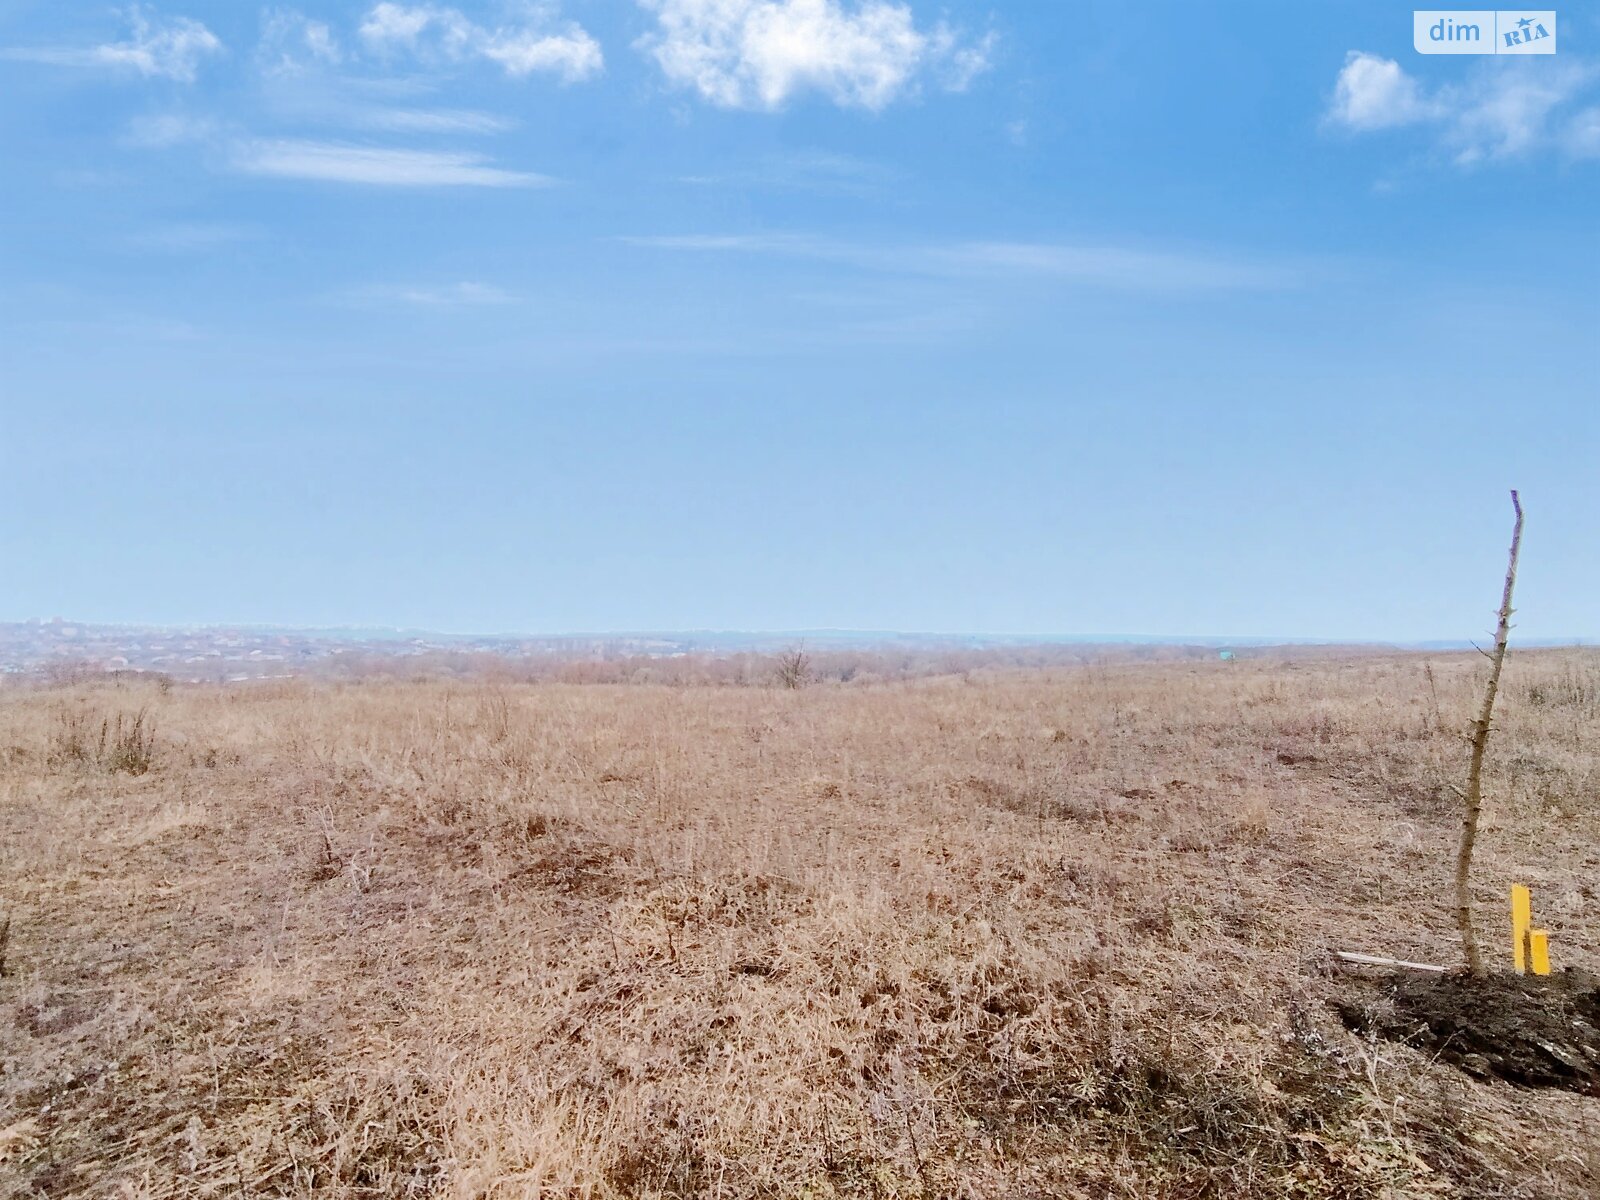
pixel 795 667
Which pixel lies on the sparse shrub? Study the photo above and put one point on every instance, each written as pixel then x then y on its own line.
pixel 794 669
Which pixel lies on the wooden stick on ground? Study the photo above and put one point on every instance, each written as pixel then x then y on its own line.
pixel 1373 960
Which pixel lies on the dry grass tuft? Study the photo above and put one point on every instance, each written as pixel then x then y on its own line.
pixel 121 742
pixel 1049 933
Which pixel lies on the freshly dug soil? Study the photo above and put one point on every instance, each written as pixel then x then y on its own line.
pixel 1534 1032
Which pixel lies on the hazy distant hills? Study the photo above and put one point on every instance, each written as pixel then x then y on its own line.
pixel 247 652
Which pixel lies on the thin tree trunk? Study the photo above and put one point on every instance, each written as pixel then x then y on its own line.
pixel 1472 798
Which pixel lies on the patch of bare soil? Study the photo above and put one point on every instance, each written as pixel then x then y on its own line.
pixel 1526 1030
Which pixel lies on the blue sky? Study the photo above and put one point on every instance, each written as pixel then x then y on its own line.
pixel 765 314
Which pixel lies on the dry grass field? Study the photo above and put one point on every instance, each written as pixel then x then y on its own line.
pixel 996 934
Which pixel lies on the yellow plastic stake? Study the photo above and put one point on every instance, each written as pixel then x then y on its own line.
pixel 1539 951
pixel 1521 924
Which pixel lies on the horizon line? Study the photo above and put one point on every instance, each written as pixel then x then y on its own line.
pixel 1025 638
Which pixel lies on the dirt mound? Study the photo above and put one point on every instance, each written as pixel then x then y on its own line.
pixel 1529 1031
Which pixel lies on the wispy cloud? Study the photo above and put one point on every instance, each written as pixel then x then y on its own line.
pixel 431 120
pixel 1583 134
pixel 1114 266
pixel 157 131
pixel 450 295
pixel 761 53
pixel 434 33
pixel 807 171
pixel 1508 109
pixel 381 166
pixel 754 243
pixel 292 42
pixel 317 97
pixel 1091 265
pixel 170 48
pixel 91 177
pixel 193 237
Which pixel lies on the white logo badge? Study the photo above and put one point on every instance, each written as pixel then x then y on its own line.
pixel 1486 31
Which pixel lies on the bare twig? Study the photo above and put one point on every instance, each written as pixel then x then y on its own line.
pixel 1473 799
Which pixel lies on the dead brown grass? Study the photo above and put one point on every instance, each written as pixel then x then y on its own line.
pixel 1029 934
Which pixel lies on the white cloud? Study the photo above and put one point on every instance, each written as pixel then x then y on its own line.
pixel 1375 93
pixel 388 24
pixel 170 48
pixel 433 32
pixel 573 55
pixel 759 53
pixel 341 163
pixel 1506 110
pixel 1117 267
